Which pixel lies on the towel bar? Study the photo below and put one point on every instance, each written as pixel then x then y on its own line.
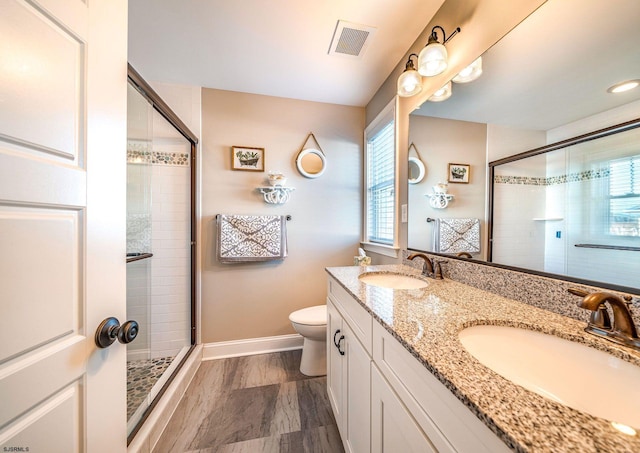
pixel 429 219
pixel 288 217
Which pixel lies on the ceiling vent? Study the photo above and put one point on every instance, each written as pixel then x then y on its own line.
pixel 351 40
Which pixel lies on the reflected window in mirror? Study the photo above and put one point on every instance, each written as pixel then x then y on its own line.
pixel 624 197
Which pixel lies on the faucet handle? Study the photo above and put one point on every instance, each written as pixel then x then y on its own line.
pixel 437 269
pixel 578 292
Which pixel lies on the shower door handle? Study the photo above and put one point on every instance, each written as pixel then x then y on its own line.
pixel 110 329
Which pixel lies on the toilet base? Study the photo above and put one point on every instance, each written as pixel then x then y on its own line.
pixel 314 357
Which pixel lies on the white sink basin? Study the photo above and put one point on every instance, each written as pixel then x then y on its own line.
pixel 395 281
pixel 570 373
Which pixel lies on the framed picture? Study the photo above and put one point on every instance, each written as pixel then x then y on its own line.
pixel 459 173
pixel 246 158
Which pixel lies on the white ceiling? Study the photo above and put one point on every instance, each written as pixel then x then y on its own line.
pixel 554 68
pixel 272 47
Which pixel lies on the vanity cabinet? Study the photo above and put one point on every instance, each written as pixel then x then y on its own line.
pixel 439 421
pixel 349 368
pixel 393 429
pixel 386 401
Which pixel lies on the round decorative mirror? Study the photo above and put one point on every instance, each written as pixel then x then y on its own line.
pixel 311 162
pixel 416 170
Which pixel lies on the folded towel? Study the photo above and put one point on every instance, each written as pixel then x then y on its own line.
pixel 243 238
pixel 457 235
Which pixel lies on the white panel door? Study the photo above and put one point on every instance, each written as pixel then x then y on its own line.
pixel 62 224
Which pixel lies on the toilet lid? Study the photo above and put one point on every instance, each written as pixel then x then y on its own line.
pixel 312 316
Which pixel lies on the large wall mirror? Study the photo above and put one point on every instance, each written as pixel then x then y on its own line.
pixel 545 82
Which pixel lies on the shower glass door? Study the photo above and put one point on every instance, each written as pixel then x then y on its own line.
pixel 158 253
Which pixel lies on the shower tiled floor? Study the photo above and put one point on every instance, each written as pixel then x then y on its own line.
pixel 141 377
pixel 253 404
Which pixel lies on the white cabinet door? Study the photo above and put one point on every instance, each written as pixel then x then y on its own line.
pixel 335 364
pixel 357 369
pixel 393 429
pixel 63 85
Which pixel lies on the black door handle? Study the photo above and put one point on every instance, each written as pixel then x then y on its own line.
pixel 338 345
pixel 110 329
pixel 334 339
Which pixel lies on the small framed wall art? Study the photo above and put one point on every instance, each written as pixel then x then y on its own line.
pixel 247 159
pixel 459 173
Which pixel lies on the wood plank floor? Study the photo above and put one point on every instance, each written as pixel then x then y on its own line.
pixel 253 404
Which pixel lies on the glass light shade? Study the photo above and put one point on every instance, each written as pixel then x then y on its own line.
pixel 442 94
pixel 409 83
pixel 470 73
pixel 432 59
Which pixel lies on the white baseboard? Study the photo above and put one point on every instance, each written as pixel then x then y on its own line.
pixel 251 346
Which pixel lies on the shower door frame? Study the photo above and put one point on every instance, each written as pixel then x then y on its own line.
pixel 163 109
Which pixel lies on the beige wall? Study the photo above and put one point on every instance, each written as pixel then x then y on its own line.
pixel 254 300
pixel 440 142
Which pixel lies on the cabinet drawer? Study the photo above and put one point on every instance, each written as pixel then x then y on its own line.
pixel 359 319
pixel 450 425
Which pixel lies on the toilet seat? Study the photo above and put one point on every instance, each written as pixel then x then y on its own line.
pixel 312 316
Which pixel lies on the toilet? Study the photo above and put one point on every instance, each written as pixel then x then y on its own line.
pixel 311 323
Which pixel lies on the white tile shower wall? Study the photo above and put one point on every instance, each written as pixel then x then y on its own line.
pixel 555 230
pixel 585 225
pixel 138 299
pixel 170 316
pixel 515 233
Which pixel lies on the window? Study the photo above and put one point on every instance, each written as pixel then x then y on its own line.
pixel 380 180
pixel 624 197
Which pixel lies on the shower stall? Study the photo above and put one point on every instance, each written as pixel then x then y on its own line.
pixel 160 246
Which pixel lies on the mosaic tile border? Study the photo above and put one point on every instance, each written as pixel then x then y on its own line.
pixel 140 152
pixel 174 159
pixel 553 180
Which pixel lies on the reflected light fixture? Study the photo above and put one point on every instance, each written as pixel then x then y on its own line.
pixel 410 81
pixel 624 86
pixel 433 58
pixel 442 94
pixel 470 73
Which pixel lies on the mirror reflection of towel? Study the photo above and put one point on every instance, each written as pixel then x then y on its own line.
pixel 457 235
pixel 244 238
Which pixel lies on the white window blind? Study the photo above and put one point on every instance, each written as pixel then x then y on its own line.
pixel 624 197
pixel 381 184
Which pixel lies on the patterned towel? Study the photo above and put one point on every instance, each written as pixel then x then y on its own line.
pixel 457 235
pixel 243 238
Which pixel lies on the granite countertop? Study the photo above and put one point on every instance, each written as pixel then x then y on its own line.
pixel 427 322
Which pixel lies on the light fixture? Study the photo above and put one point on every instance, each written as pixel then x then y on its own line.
pixel 433 58
pixel 624 86
pixel 410 81
pixel 442 94
pixel 470 73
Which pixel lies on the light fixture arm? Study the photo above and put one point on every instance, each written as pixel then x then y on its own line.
pixel 410 64
pixel 434 36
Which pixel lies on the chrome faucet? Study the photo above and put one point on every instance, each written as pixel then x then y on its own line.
pixel 622 330
pixel 428 266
